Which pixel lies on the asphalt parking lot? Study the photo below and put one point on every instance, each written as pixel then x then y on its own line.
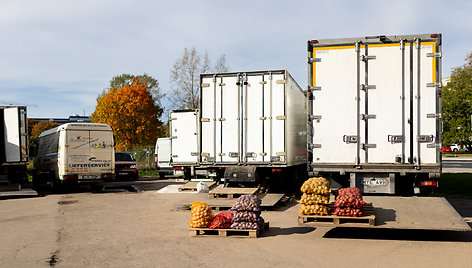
pixel 137 226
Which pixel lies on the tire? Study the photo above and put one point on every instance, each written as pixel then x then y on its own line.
pixel 455 150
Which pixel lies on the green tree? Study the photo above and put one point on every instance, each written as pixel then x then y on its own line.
pixel 457 106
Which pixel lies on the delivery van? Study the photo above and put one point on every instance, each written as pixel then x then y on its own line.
pixel 75 153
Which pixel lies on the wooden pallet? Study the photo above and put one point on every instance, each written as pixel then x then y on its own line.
pixel 191 186
pixel 230 192
pixel 336 221
pixel 228 232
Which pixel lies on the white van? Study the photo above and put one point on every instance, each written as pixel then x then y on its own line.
pixel 75 153
pixel 163 156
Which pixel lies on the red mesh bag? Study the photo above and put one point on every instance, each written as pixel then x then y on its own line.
pixel 222 220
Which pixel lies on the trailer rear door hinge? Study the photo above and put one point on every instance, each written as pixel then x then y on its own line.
pixel 172 118
pixel 222 84
pixel 434 55
pixel 311 89
pixel 251 155
pixel 210 159
pixel 433 84
pixel 311 60
pixel 263 154
pixel 222 119
pixel 367 116
pixel 233 154
pixel 263 82
pixel 433 116
pixel 263 118
pixel 314 146
pixel 433 145
pixel 395 138
pixel 205 85
pixel 205 119
pixel 281 117
pixel 316 117
pixel 368 146
pixel 424 138
pixel 282 81
pixel 173 137
pixel 280 153
pixel 194 154
pixel 366 58
pixel 366 87
pixel 350 138
pixel 221 154
pixel 175 155
pixel 205 154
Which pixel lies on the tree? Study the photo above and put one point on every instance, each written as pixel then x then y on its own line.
pixel 185 77
pixel 122 80
pixel 457 106
pixel 35 129
pixel 132 112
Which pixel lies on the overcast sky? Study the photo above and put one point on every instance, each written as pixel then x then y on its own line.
pixel 56 56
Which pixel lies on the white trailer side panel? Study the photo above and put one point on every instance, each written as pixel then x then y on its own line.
pixel 278 118
pixel 183 130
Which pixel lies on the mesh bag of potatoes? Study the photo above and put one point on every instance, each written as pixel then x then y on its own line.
pixel 315 198
pixel 202 215
pixel 247 211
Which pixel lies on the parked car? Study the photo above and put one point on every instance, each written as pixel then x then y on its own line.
pixel 455 147
pixel 125 166
pixel 446 148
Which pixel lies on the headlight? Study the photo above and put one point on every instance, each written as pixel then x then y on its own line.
pixel 133 166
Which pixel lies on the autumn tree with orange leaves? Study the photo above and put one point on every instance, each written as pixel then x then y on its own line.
pixel 132 113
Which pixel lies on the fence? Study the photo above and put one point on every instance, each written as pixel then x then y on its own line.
pixel 144 155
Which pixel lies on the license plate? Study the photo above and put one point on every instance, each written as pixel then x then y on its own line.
pixel 89 177
pixel 122 173
pixel 374 182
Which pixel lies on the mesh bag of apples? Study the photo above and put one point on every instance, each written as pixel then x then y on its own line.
pixel 349 202
pixel 202 215
pixel 247 213
pixel 315 198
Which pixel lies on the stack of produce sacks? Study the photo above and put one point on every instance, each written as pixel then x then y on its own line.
pixel 202 215
pixel 349 202
pixel 315 198
pixel 247 213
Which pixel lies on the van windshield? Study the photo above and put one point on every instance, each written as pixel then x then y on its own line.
pixel 124 157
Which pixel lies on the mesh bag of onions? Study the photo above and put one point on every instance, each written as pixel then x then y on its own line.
pixel 315 198
pixel 202 215
pixel 247 213
pixel 349 202
pixel 222 220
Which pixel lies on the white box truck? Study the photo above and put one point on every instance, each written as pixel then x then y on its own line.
pixel 13 146
pixel 163 154
pixel 374 106
pixel 183 130
pixel 75 153
pixel 253 127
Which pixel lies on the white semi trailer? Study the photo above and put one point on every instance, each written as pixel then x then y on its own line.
pixel 252 127
pixel 13 146
pixel 374 106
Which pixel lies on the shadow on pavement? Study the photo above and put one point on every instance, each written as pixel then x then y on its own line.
pixel 399 234
pixel 276 231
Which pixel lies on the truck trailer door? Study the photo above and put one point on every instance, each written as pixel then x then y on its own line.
pixel 15 134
